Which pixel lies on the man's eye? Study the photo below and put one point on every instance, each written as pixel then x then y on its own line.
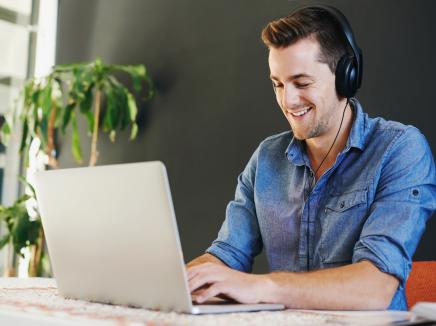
pixel 277 85
pixel 301 85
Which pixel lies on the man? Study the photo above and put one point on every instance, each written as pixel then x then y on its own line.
pixel 339 204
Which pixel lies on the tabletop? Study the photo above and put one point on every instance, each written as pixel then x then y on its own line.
pixel 36 301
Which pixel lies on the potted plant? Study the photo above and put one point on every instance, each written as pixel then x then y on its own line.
pixel 47 106
pixel 52 103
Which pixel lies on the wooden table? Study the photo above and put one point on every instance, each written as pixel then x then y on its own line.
pixel 35 301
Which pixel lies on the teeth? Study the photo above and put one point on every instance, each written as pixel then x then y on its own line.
pixel 300 113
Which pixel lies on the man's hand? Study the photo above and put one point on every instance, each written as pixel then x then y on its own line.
pixel 362 286
pixel 206 258
pixel 211 279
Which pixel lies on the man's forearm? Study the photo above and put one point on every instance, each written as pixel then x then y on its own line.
pixel 358 286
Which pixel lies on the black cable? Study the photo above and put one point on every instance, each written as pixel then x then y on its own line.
pixel 337 134
pixel 313 181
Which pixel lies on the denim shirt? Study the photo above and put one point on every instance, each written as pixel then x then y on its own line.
pixel 372 204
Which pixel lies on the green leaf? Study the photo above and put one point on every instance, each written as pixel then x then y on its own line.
pixel 90 120
pixel 111 117
pixel 24 136
pixel 134 131
pixel 43 127
pixel 59 119
pixel 5 133
pixel 115 113
pixel 30 95
pixel 75 92
pixel 22 199
pixel 4 241
pixel 46 103
pixel 69 67
pixel 137 72
pixel 28 184
pixel 110 107
pixel 67 116
pixel 121 107
pixel 99 70
pixel 33 121
pixel 76 149
pixel 26 156
pixel 86 103
pixel 4 214
pixel 46 106
pixel 25 232
pixel 133 109
pixel 35 96
pixel 9 217
pixel 138 76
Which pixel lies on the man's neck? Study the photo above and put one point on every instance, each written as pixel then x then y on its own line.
pixel 317 148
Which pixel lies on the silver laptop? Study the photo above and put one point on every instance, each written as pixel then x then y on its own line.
pixel 112 237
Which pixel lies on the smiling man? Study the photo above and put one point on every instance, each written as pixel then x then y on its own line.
pixel 338 203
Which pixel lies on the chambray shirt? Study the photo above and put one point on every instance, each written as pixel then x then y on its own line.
pixel 372 204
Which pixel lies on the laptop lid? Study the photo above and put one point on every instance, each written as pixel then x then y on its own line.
pixel 112 235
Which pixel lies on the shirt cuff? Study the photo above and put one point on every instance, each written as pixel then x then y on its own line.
pixel 389 261
pixel 231 256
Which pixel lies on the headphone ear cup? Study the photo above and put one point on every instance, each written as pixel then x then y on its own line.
pixel 346 82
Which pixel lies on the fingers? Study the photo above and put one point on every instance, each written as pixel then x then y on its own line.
pixel 191 273
pixel 212 291
pixel 199 290
pixel 201 279
pixel 204 274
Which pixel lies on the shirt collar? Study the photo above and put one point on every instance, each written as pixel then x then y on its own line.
pixel 356 138
pixel 296 152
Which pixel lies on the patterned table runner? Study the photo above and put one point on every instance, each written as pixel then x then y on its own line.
pixel 38 298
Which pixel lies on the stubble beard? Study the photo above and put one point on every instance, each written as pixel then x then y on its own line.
pixel 320 127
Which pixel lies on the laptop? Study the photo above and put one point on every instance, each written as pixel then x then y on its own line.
pixel 112 237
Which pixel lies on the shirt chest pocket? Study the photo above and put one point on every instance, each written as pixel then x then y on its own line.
pixel 342 202
pixel 340 226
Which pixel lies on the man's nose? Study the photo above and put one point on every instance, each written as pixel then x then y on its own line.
pixel 290 97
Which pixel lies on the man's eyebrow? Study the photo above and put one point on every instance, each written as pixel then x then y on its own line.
pixel 293 77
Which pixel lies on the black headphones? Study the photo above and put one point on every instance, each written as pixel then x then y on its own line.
pixel 349 69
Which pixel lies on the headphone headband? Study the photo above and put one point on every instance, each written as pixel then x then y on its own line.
pixel 348 32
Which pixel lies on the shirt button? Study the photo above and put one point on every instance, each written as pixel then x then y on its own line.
pixel 415 192
pixel 342 204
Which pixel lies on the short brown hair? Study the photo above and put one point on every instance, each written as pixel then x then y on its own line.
pixel 308 22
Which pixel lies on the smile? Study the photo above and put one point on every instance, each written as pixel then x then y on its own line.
pixel 300 113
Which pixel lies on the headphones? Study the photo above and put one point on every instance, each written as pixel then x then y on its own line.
pixel 349 69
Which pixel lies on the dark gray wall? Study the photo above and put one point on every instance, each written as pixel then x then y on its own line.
pixel 214 101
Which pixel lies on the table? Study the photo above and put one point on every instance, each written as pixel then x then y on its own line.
pixel 35 301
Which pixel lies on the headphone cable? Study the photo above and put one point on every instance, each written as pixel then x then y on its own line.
pixel 313 182
pixel 337 134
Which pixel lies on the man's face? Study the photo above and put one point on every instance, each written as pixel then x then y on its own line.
pixel 305 89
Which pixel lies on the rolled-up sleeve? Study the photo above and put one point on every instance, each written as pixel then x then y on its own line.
pixel 239 239
pixel 405 199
